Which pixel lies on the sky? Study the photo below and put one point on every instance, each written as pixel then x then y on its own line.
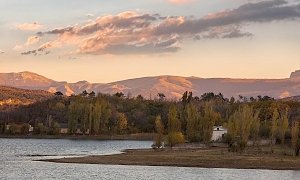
pixel 106 41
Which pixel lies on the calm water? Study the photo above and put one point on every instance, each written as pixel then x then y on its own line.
pixel 16 157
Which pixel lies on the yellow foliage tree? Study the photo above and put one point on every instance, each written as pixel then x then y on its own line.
pixel 175 135
pixel 239 125
pixel 159 127
pixel 283 125
pixel 122 123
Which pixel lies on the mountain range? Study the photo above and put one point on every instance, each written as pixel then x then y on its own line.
pixel 172 86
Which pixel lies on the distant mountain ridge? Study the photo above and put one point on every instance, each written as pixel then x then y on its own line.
pixel 24 79
pixel 295 74
pixel 292 98
pixel 172 86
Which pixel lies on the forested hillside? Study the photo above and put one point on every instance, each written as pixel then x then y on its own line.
pixel 15 96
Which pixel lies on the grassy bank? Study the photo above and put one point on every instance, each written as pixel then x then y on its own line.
pixel 139 136
pixel 194 157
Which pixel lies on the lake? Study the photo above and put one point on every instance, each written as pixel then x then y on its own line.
pixel 17 155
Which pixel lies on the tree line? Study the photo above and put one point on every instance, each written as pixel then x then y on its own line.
pixel 190 119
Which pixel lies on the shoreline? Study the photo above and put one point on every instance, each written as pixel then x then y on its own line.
pixel 137 137
pixel 189 157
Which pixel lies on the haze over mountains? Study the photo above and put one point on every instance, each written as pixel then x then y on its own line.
pixel 172 86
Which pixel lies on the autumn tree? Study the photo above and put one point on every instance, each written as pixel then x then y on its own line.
pixel 77 117
pixel 96 116
pixel 207 121
pixel 175 135
pixel 159 128
pixel 283 125
pixel 239 126
pixel 14 129
pixel 122 123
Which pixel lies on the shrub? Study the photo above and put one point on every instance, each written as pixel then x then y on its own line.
pixel 25 128
pixel 14 129
pixel 40 129
pixel 175 138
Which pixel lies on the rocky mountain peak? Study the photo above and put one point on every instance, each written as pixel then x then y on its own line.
pixel 295 74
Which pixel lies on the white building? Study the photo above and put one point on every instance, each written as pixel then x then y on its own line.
pixel 218 133
pixel 30 128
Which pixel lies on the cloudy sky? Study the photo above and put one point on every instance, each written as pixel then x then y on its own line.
pixel 104 41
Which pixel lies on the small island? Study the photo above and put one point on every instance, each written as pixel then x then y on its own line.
pixel 215 157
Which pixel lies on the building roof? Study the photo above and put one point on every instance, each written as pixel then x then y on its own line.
pixel 219 128
pixel 63 125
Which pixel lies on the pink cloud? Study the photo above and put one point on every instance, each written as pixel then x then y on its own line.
pixel 29 26
pixel 32 40
pixel 18 47
pixel 132 32
pixel 179 1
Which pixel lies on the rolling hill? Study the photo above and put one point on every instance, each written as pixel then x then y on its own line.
pixel 171 86
pixel 16 96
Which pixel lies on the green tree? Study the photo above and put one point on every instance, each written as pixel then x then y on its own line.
pixel 193 125
pixel 84 117
pixel 40 128
pixel 96 117
pixel 55 128
pixel 73 117
pixel 25 128
pixel 91 118
pixel 274 126
pixel 105 116
pixel 161 96
pixel 79 114
pixel 255 129
pixel 2 128
pixel 295 138
pixel 159 128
